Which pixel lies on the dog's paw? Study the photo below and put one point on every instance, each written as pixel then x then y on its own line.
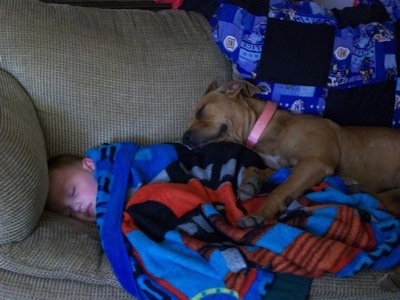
pixel 272 207
pixel 247 190
pixel 251 184
pixel 250 221
pixel 390 282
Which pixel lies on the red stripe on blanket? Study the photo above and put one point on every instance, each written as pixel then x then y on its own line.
pixel 241 281
pixel 184 197
pixel 351 230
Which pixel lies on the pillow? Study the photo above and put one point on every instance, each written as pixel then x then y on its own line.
pixel 23 172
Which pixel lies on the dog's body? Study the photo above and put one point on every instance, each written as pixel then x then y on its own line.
pixel 314 147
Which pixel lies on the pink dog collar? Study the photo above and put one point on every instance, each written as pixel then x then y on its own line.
pixel 261 123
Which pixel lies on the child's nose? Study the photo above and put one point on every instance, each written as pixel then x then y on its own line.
pixel 78 207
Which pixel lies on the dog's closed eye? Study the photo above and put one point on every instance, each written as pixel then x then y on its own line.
pixel 199 113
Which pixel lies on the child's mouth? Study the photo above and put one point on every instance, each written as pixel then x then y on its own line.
pixel 89 210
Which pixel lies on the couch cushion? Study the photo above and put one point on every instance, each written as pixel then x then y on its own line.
pixel 60 248
pixel 23 287
pixel 101 75
pixel 23 172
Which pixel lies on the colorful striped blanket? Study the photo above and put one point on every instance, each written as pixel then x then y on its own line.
pixel 167 220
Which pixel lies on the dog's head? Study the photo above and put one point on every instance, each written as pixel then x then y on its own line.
pixel 221 115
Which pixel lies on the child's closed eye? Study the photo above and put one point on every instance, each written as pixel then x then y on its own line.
pixel 72 192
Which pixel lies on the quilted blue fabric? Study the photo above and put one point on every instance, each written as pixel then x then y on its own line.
pixel 297 53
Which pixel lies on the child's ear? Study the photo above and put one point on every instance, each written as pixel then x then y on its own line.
pixel 88 164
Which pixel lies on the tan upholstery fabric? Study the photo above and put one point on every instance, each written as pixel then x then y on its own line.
pixel 99 75
pixel 14 286
pixel 60 248
pixel 362 286
pixel 23 171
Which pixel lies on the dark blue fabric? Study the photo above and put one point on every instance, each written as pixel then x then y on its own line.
pixel 371 105
pixel 299 52
pixel 362 14
pixel 288 55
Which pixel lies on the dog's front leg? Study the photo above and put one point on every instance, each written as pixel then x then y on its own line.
pixel 252 181
pixel 306 173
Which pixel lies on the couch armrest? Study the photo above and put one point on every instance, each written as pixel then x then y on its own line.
pixel 23 172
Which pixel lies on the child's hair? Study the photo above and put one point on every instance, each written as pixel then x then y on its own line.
pixel 60 162
pixel 63 161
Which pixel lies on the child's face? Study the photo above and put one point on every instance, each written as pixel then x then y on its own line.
pixel 73 190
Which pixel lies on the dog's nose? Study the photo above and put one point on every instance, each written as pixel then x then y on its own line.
pixel 186 138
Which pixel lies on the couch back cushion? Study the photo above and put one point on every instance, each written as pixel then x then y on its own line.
pixel 99 75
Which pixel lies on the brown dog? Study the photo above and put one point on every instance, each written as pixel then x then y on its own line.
pixel 314 147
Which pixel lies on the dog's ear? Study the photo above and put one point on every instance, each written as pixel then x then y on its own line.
pixel 212 86
pixel 236 87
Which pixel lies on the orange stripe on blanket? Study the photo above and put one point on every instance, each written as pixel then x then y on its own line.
pixel 128 224
pixel 319 255
pixel 179 197
pixel 241 281
pixel 184 197
pixel 349 229
pixel 274 262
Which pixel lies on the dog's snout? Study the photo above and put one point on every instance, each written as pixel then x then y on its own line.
pixel 186 137
pixel 223 130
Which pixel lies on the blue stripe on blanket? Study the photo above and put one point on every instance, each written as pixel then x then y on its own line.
pixel 279 238
pixel 119 168
pixel 111 169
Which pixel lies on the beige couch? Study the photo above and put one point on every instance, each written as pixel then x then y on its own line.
pixel 72 78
